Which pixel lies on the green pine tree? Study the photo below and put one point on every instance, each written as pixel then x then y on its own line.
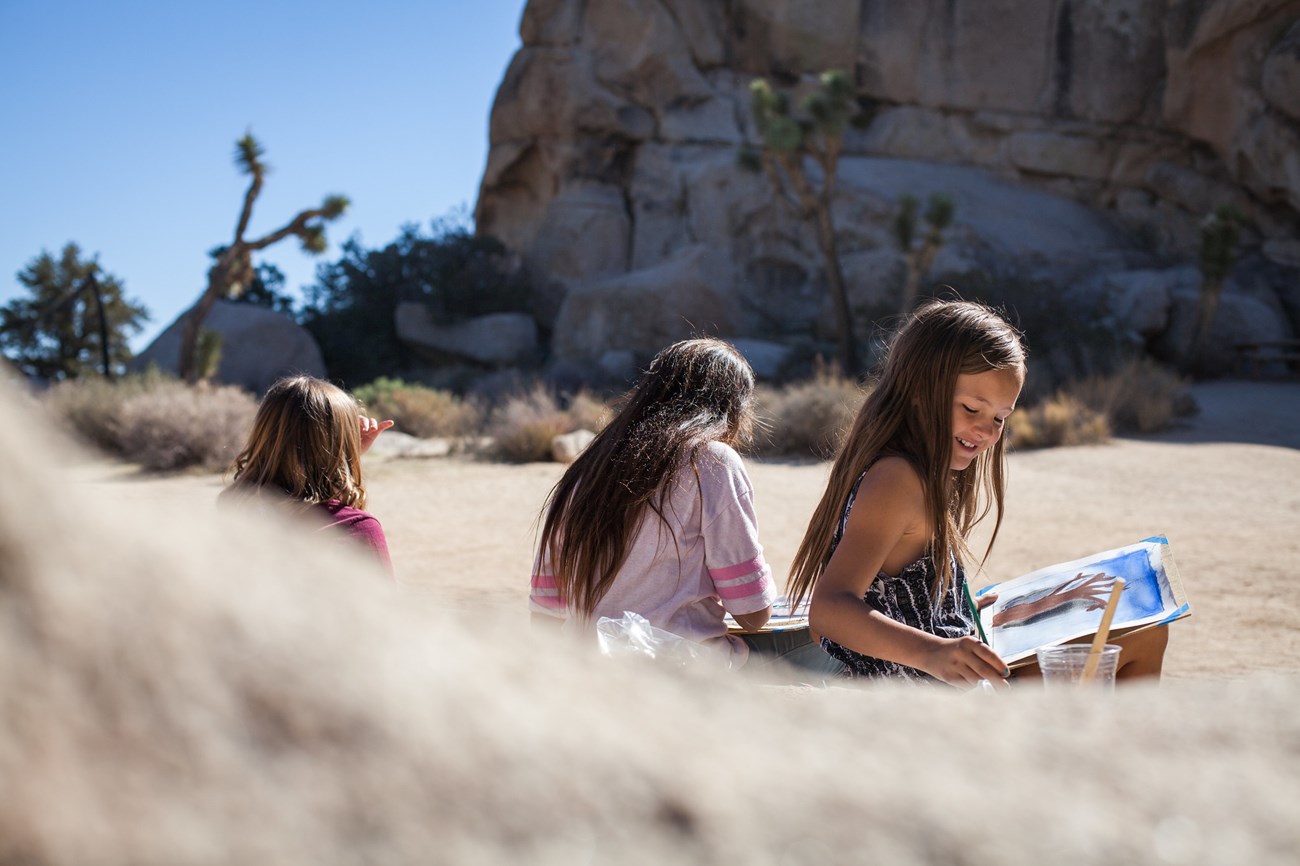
pixel 76 321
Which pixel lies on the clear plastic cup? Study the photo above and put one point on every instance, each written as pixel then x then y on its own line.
pixel 1063 666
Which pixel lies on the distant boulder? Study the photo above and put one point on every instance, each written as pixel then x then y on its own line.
pixel 643 311
pixel 566 447
pixel 258 346
pixel 496 340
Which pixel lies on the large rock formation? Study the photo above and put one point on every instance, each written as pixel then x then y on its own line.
pixel 1078 136
pixel 258 346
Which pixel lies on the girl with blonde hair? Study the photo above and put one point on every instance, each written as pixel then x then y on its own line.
pixel 923 463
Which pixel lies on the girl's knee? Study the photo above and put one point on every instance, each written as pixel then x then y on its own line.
pixel 1143 653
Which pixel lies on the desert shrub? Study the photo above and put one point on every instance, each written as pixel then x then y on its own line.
pixel 1139 397
pixel 522 426
pixel 806 418
pixel 1058 420
pixel 175 426
pixel 90 407
pixel 419 410
pixel 586 411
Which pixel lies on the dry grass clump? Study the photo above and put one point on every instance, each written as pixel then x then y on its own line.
pixel 420 410
pixel 90 407
pixel 156 421
pixel 522 426
pixel 807 418
pixel 588 412
pixel 1058 420
pixel 1140 397
pixel 175 426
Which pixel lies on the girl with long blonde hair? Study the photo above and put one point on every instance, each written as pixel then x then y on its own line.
pixel 922 464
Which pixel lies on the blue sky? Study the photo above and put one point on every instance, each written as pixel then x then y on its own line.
pixel 118 122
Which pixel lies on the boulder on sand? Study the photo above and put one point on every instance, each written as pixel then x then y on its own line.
pixel 258 346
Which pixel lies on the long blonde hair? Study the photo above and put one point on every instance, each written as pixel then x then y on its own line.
pixel 694 392
pixel 305 443
pixel 909 415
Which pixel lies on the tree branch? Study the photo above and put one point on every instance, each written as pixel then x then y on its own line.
pixel 246 214
pixel 293 227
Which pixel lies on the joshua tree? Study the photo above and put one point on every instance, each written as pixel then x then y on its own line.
pixel 817 131
pixel 1219 233
pixel 919 257
pixel 207 355
pixel 233 269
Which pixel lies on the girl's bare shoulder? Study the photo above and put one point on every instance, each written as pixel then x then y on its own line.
pixel 894 471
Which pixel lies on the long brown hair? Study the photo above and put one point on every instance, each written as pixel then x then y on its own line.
pixel 694 392
pixel 305 443
pixel 909 414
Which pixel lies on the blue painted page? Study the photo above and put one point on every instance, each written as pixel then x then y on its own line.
pixel 1065 602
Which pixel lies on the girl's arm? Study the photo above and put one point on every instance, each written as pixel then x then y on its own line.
pixel 887 530
pixel 753 621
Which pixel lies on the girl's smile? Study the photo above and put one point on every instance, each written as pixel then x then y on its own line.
pixel 981 404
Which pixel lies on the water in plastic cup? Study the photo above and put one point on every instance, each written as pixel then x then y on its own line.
pixel 1062 666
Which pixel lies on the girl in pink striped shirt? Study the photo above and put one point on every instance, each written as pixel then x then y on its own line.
pixel 656 516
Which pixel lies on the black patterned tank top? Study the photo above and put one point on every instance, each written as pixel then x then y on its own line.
pixel 907 598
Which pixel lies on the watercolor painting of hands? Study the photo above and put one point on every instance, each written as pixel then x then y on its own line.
pixel 1065 602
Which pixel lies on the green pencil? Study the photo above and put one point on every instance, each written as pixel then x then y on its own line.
pixel 976 611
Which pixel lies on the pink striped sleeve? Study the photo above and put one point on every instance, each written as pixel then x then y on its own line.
pixel 733 555
pixel 544 596
pixel 746 580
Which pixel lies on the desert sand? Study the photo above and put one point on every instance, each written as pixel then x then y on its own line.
pixel 1223 486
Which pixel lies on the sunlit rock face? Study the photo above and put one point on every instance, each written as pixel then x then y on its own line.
pixel 1105 132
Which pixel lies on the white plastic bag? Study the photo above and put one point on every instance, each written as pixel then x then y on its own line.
pixel 633 635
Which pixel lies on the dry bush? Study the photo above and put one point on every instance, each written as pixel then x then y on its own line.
pixel 174 426
pixel 522 426
pixel 1141 397
pixel 419 410
pixel 91 407
pixel 1058 420
pixel 586 411
pixel 807 418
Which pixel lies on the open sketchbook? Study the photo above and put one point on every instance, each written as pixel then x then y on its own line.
pixel 1065 602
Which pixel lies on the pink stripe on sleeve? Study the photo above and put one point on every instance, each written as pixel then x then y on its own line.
pixel 553 602
pixel 544 581
pixel 746 588
pixel 739 570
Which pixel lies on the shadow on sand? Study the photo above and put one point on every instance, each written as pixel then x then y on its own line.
pixel 1259 412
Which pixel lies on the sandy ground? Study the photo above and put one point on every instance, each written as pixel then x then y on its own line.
pixel 1224 487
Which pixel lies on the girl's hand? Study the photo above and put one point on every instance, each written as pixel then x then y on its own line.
pixel 963 662
pixel 370 430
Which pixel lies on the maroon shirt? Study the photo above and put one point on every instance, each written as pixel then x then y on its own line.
pixel 360 525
